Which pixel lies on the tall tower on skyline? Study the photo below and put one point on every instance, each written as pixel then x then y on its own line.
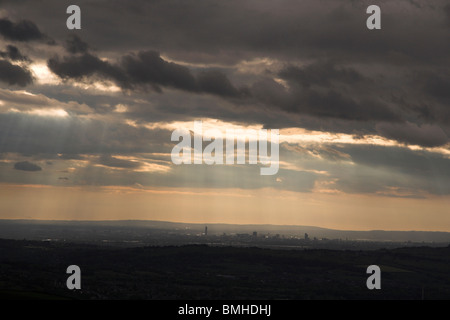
pixel 206 230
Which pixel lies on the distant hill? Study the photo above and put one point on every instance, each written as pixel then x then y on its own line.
pixel 36 229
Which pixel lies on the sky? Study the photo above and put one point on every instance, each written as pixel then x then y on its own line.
pixel 86 116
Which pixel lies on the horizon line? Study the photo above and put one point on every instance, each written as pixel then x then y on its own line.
pixel 218 223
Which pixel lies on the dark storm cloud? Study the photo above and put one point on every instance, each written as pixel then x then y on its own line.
pixel 428 96
pixel 216 82
pixel 23 30
pixel 230 31
pixel 27 166
pixel 322 74
pixel 336 105
pixel 409 133
pixel 78 67
pixel 14 75
pixel 340 76
pixel 286 63
pixel 74 44
pixel 12 53
pixel 146 68
pixel 234 29
pixel 318 89
pixel 438 85
pixel 149 68
pixel 325 90
pixel 447 13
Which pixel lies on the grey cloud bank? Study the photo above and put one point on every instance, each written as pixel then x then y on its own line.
pixel 244 62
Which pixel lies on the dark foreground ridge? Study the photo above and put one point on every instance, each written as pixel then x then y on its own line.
pixel 37 270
